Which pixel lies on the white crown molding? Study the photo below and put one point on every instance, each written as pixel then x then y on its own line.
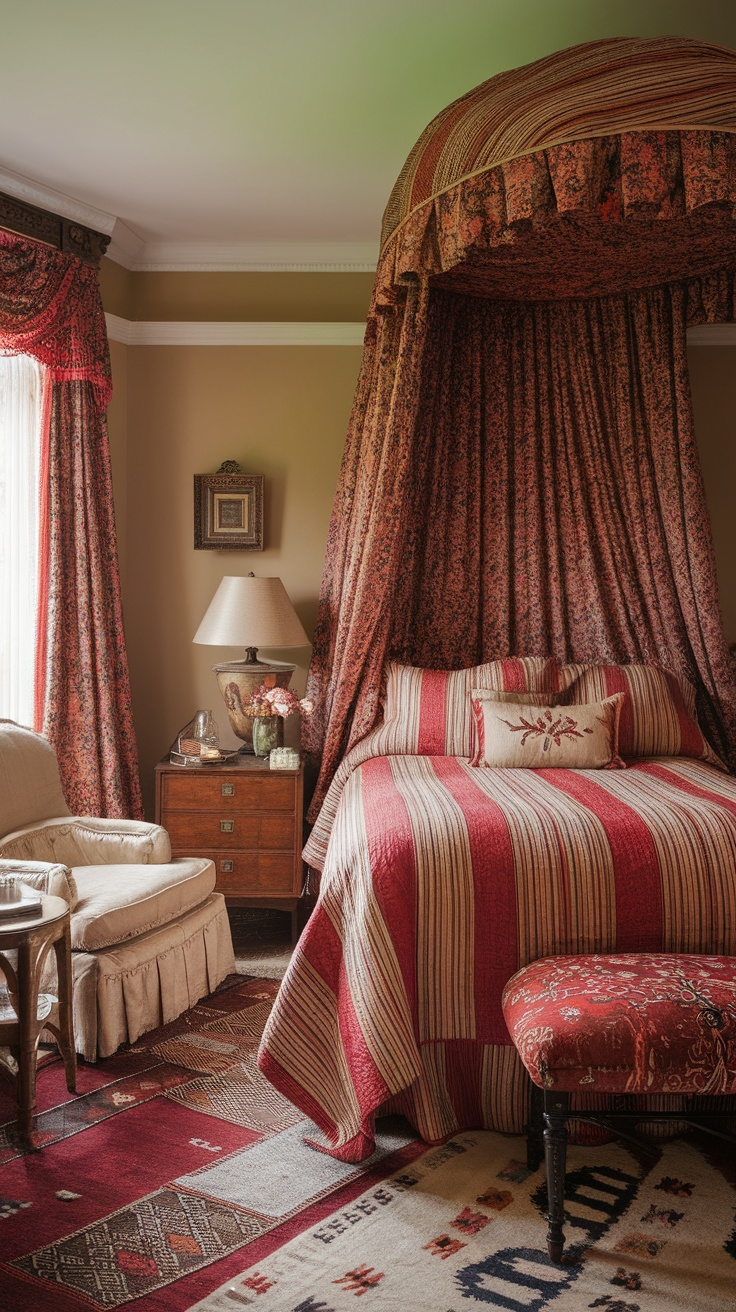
pixel 140 256
pixel 712 334
pixel 248 257
pixel 149 333
pixel 126 247
pixel 14 184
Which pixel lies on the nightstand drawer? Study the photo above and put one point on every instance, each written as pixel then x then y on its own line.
pixel 246 819
pixel 216 792
pixel 207 829
pixel 248 873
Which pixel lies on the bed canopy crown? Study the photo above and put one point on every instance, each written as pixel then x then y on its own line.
pixel 520 473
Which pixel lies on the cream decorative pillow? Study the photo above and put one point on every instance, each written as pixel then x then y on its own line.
pixel 523 734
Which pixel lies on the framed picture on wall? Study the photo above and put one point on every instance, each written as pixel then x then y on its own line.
pixel 228 510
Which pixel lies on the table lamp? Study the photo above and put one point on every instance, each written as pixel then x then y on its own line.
pixel 250 612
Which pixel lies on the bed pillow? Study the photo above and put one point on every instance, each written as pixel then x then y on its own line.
pixel 536 736
pixel 658 715
pixel 428 712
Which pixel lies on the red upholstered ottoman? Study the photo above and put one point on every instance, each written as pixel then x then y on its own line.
pixel 634 1023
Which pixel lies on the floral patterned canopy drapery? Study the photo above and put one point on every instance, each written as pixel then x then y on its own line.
pixel 50 308
pixel 520 474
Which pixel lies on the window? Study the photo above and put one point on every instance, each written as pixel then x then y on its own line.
pixel 21 387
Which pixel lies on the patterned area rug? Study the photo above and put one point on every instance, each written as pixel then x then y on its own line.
pixel 178 1178
pixel 175 1166
pixel 462 1227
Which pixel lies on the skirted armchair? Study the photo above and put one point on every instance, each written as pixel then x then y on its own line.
pixel 150 936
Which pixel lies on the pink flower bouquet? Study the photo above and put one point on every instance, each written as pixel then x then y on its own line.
pixel 277 701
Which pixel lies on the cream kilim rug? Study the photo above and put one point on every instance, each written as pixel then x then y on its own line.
pixel 462 1226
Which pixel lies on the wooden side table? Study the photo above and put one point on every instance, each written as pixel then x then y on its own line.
pixel 247 819
pixel 33 939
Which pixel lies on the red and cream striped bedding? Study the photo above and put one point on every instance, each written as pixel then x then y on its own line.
pixel 439 881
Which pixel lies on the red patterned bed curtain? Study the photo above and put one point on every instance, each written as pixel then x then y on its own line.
pixel 520 475
pixel 50 308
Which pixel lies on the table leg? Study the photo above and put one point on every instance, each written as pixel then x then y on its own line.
pixel 27 1007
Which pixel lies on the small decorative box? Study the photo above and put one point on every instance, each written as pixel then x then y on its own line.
pixel 284 758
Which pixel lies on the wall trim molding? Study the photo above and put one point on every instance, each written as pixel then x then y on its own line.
pixel 712 334
pixel 186 333
pixel 149 333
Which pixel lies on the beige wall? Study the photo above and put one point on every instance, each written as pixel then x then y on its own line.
pixel 234 297
pixel 713 382
pixel 281 412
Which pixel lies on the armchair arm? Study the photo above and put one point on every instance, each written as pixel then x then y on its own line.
pixel 88 841
pixel 55 880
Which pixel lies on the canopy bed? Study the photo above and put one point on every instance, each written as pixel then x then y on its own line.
pixel 520 479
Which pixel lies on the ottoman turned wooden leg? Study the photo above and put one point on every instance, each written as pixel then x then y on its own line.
pixel 556 1109
pixel 535 1129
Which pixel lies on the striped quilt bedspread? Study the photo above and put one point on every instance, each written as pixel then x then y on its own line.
pixel 440 880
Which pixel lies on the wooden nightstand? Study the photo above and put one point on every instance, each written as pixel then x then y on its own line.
pixel 246 818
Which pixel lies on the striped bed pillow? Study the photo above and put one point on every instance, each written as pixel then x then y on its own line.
pixel 658 716
pixel 429 712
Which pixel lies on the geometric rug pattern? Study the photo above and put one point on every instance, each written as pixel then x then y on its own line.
pixel 142 1247
pixel 178 1178
pixel 146 1192
pixel 241 1095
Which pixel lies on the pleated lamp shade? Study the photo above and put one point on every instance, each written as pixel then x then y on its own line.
pixel 251 612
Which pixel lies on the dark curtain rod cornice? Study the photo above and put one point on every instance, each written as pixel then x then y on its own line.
pixel 63 234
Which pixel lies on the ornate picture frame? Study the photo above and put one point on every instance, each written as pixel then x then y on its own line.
pixel 228 510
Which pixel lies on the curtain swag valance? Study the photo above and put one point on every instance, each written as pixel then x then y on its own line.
pixel 50 308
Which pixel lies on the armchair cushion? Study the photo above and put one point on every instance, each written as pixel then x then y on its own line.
pixel 86 840
pixel 118 902
pixel 55 880
pixel 30 787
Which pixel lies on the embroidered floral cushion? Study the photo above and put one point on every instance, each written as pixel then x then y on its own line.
pixel 658 715
pixel 428 712
pixel 538 736
pixel 631 1023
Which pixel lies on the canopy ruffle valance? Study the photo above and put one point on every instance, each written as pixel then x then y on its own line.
pixel 582 219
pixel 530 118
pixel 580 185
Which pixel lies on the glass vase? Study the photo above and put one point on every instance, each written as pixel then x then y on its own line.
pixel 268 732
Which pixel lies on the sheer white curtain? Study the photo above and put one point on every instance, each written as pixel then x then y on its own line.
pixel 21 387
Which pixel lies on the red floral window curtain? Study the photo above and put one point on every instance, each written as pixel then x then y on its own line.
pixel 50 308
pixel 520 474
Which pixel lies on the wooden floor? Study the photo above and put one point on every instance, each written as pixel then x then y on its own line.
pixel 262 941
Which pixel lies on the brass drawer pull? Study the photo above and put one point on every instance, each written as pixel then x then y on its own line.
pixel 227 826
pixel 228 790
pixel 227 867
